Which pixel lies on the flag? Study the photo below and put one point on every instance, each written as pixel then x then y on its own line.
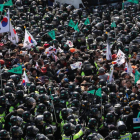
pixel 52 34
pixel 1 7
pixel 51 50
pixel 55 58
pixel 29 41
pixel 87 21
pixel 137 76
pixel 82 74
pixel 76 65
pixel 123 5
pixel 13 37
pixel 69 43
pixel 76 28
pixel 134 1
pixel 91 91
pixel 17 70
pixel 36 65
pixel 8 3
pixel 113 24
pixel 23 52
pixel 110 77
pixel 25 79
pixel 71 23
pixel 5 23
pixel 98 92
pixel 108 52
pixel 120 58
pixel 60 50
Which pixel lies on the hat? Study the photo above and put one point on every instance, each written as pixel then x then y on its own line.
pixel 101 70
pixel 43 69
pixel 46 45
pixel 46 62
pixel 138 82
pixel 123 73
pixel 114 56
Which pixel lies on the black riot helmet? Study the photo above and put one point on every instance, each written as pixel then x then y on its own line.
pixel 2 100
pixel 41 137
pixel 64 94
pixel 114 134
pixel 16 131
pixel 26 116
pixel 15 78
pixel 16 120
pixel 121 127
pixel 32 131
pixel 8 89
pixel 126 110
pixel 68 128
pixel 32 88
pixel 71 87
pixel 19 87
pixel 92 123
pixel 19 94
pixel 43 98
pixel 135 136
pixel 39 120
pixel 41 108
pixel 109 117
pixel 4 134
pixel 47 116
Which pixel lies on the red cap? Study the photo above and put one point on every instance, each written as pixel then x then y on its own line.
pixel 2 62
pixel 114 56
pixel 46 45
pixel 43 69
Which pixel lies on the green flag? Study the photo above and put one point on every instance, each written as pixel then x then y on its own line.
pixel 113 24
pixel 134 1
pixel 123 5
pixel 91 91
pixel 17 70
pixel 76 28
pixel 98 92
pixel 137 76
pixel 1 7
pixel 71 23
pixel 8 3
pixel 82 74
pixel 52 34
pixel 87 21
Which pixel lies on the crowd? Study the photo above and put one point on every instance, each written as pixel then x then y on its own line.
pixel 59 101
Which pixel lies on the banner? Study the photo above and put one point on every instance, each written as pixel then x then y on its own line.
pixel 17 70
pixel 134 1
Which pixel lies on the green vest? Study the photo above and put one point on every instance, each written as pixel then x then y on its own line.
pixel 76 136
pixel 127 136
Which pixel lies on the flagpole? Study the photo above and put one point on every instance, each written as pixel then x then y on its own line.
pixel 1 75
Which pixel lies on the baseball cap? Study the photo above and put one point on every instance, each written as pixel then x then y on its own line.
pixel 138 82
pixel 114 56
pixel 43 69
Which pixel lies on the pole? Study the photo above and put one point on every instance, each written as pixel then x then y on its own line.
pixel 1 75
pixel 53 107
